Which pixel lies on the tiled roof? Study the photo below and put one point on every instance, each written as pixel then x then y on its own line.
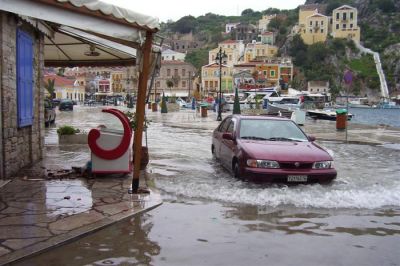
pixel 59 81
pixel 245 65
pixel 228 41
pixel 321 8
pixel 344 7
pixel 317 15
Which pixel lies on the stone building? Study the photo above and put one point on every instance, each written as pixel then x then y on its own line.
pixel 245 32
pixel 21 97
pixel 182 76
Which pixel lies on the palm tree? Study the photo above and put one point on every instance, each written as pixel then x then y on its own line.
pixel 49 85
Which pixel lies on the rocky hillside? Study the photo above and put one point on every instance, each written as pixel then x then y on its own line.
pixel 380 31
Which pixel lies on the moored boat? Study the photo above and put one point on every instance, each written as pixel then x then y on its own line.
pixel 325 114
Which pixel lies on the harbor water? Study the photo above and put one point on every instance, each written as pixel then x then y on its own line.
pixel 376 116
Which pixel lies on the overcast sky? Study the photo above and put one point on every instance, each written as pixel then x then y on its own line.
pixel 175 9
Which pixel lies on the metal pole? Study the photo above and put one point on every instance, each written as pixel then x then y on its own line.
pixel 190 78
pixel 347 108
pixel 219 117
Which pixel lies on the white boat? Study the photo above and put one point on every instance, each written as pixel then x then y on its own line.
pixel 325 114
pixel 282 103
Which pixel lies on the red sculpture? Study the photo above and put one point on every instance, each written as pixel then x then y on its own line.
pixel 117 152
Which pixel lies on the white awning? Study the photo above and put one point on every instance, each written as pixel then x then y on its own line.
pixel 72 47
pixel 84 32
pixel 51 12
pixel 176 94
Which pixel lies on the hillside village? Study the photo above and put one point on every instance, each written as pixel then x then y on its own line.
pixel 250 59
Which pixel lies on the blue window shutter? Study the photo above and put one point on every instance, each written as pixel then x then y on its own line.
pixel 24 78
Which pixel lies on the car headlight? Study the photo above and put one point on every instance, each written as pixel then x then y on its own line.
pixel 262 163
pixel 323 165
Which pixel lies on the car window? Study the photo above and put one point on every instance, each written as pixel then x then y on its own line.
pixel 230 127
pixel 224 125
pixel 269 129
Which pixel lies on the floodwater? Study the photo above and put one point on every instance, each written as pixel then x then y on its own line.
pixel 210 218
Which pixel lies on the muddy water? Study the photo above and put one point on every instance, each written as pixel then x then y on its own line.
pixel 209 218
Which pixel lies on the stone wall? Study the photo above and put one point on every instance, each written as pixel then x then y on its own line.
pixel 20 146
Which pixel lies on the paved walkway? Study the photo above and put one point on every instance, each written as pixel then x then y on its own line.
pixel 39 211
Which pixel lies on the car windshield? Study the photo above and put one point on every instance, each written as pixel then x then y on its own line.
pixel 269 129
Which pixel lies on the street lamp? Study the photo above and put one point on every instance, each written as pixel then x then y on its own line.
pixel 220 56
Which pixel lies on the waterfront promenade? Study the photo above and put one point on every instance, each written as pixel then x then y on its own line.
pixel 38 211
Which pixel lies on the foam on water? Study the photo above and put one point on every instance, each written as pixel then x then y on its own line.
pixel 368 176
pixel 182 164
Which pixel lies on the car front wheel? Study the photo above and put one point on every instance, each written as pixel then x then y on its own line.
pixel 236 171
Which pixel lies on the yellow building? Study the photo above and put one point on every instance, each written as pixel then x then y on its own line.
pixel 316 29
pixel 314 26
pixel 210 78
pixel 233 50
pixel 304 12
pixel 344 23
pixel 66 88
pixel 117 82
pixel 263 23
pixel 259 51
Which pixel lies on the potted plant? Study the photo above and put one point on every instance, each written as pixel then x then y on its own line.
pixel 70 135
pixel 145 152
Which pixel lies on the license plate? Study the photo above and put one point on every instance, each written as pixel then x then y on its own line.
pixel 297 178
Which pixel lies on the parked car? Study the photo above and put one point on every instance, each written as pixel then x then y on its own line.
pixel 56 101
pixel 181 102
pixel 49 113
pixel 66 104
pixel 89 102
pixel 272 149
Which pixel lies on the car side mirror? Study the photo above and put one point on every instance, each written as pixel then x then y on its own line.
pixel 311 138
pixel 227 136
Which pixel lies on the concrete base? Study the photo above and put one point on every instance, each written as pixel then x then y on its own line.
pixel 80 138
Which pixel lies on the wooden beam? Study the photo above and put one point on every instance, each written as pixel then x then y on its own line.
pixel 140 109
pixel 93 63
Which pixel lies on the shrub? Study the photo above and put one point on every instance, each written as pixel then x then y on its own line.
pixel 67 130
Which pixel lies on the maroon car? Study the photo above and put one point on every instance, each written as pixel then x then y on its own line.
pixel 272 149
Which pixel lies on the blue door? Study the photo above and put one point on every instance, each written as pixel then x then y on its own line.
pixel 24 78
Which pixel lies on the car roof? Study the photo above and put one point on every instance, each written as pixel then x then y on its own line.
pixel 260 117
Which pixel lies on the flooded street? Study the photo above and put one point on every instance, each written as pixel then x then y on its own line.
pixel 210 218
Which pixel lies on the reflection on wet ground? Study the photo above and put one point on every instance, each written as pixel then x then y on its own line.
pixel 187 232
pixel 209 218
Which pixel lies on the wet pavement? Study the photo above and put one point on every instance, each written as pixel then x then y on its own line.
pixel 209 218
pixel 50 204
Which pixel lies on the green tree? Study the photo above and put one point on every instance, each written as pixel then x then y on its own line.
pixel 49 85
pixel 236 103
pixel 197 58
pixel 186 24
pixel 170 84
pixel 164 108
